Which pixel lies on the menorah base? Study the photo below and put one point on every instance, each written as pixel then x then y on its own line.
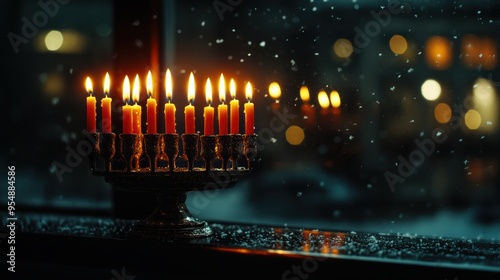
pixel 172 219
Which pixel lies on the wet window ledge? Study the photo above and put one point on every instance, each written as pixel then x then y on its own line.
pixel 83 246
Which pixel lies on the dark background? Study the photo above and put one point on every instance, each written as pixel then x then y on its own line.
pixel 335 178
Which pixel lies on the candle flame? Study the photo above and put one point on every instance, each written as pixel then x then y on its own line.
pixel 107 84
pixel 126 90
pixel 136 89
pixel 248 91
pixel 88 85
pixel 275 90
pixel 222 89
pixel 323 99
pixel 335 99
pixel 149 84
pixel 304 94
pixel 168 85
pixel 191 88
pixel 232 89
pixel 208 92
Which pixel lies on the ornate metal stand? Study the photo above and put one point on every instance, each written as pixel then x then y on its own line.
pixel 172 218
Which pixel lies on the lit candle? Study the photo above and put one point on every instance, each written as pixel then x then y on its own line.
pixel 169 107
pixel 91 108
pixel 189 109
pixel 234 107
pixel 136 109
pixel 249 110
pixel 106 106
pixel 275 92
pixel 324 102
pixel 222 109
pixel 335 100
pixel 307 109
pixel 126 109
pixel 151 105
pixel 208 112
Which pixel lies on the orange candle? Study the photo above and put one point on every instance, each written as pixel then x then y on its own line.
pixel 151 106
pixel 189 109
pixel 136 109
pixel 222 108
pixel 126 109
pixel 91 108
pixel 169 107
pixel 106 106
pixel 234 109
pixel 208 112
pixel 249 111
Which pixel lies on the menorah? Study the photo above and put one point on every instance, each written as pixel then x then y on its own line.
pixel 152 163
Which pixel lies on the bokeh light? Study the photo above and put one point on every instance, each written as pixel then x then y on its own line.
pixel 431 89
pixel 438 52
pixel 294 135
pixel 442 113
pixel 398 44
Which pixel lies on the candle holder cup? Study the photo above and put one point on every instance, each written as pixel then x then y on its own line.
pixel 236 149
pixel 223 149
pixel 96 150
pixel 171 149
pixel 153 149
pixel 190 148
pixel 108 150
pixel 207 152
pixel 250 149
pixel 131 150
